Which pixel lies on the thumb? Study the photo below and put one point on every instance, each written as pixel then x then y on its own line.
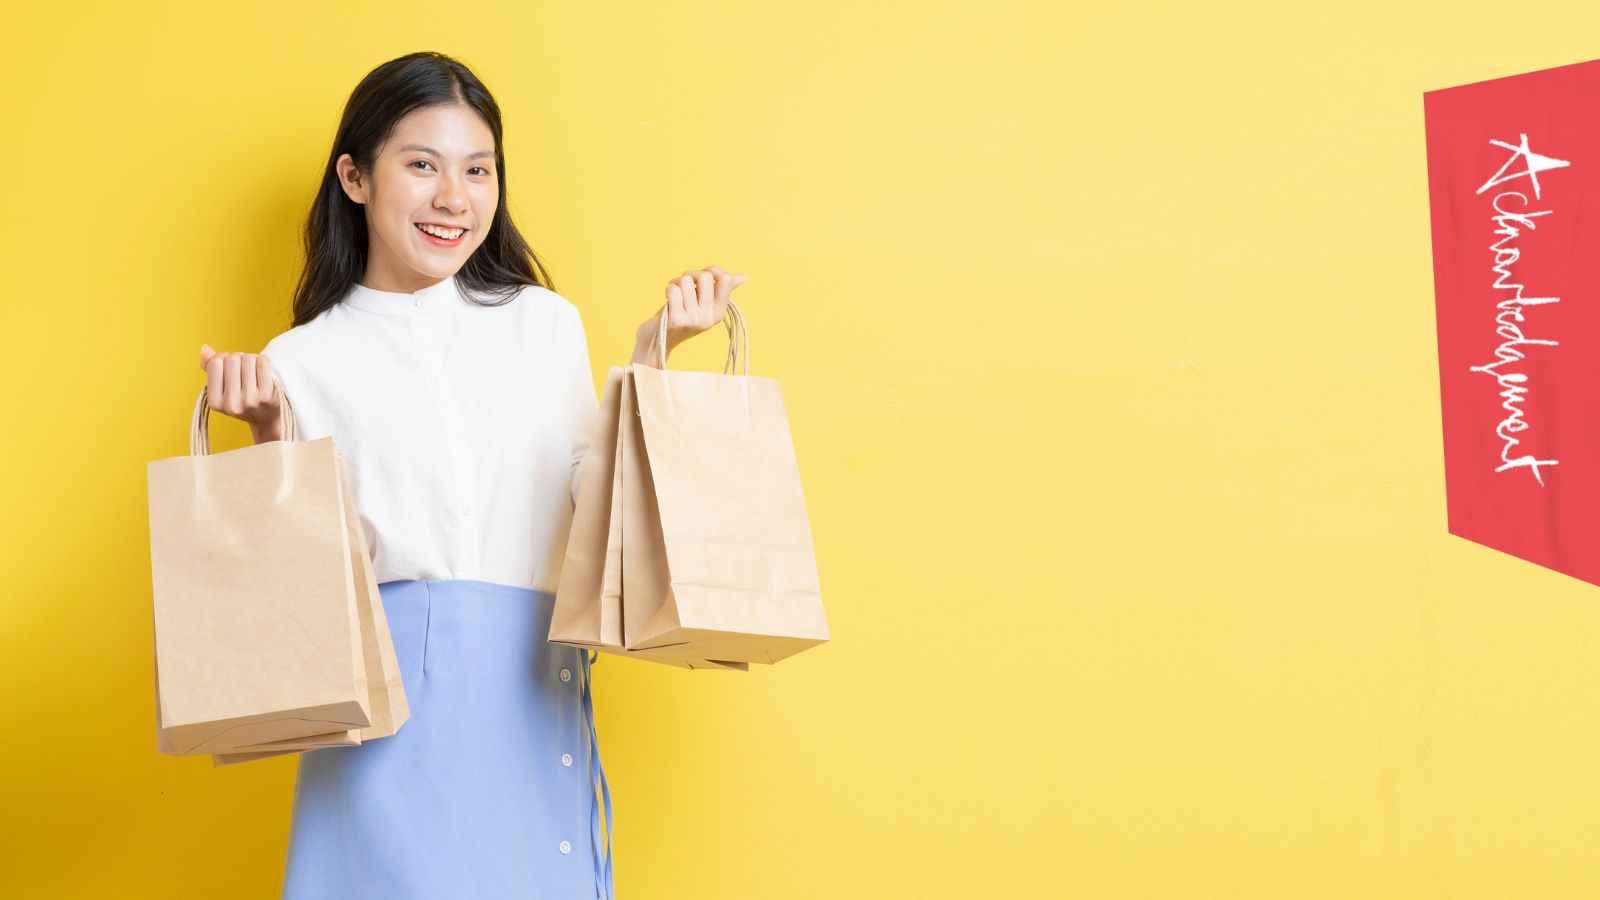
pixel 205 354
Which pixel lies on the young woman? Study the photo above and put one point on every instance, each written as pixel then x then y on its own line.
pixel 429 343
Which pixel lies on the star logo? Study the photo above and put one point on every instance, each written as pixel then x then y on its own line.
pixel 1535 165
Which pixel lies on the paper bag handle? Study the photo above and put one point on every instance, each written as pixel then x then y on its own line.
pixel 200 422
pixel 736 354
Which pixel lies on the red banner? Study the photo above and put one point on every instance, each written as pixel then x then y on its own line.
pixel 1512 186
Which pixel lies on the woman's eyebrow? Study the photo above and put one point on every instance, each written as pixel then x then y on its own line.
pixel 430 150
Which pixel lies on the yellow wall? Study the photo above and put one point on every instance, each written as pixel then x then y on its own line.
pixel 1107 340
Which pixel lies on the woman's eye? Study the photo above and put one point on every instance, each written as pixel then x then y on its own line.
pixel 427 163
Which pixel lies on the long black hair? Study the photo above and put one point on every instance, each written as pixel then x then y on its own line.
pixel 336 228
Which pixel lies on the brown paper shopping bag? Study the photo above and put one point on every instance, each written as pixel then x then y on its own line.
pixel 716 563
pixel 387 706
pixel 716 540
pixel 583 615
pixel 259 569
pixel 588 608
pixel 346 738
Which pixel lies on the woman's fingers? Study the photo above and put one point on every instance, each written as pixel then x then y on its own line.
pixel 214 381
pixel 239 384
pixel 679 297
pixel 698 299
pixel 266 389
pixel 725 285
pixel 247 382
pixel 705 295
pixel 726 282
pixel 738 278
pixel 230 385
pixel 683 310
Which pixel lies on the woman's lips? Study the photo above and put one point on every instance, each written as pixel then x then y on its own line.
pixel 439 241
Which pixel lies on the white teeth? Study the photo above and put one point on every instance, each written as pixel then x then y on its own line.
pixel 448 234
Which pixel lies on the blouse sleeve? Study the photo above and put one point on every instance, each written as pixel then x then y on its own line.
pixel 580 388
pixel 286 369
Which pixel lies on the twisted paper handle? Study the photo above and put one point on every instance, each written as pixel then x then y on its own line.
pixel 736 353
pixel 200 422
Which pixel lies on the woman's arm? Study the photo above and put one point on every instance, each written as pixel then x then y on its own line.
pixel 641 348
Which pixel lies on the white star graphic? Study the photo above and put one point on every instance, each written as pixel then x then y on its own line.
pixel 1536 164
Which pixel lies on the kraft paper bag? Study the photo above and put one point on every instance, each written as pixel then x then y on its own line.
pixel 347 738
pixel 386 696
pixel 716 563
pixel 583 614
pixel 715 522
pixel 588 608
pixel 262 637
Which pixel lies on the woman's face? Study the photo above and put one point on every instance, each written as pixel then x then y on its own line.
pixel 437 169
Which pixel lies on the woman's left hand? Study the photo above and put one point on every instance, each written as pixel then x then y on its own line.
pixel 696 300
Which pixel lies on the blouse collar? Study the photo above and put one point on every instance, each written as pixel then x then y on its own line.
pixel 433 298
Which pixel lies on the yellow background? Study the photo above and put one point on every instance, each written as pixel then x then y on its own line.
pixel 1106 335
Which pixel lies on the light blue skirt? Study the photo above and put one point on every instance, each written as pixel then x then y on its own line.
pixel 488 789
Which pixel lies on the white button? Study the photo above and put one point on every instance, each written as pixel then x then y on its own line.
pixel 566 759
pixel 566 847
pixel 465 513
pixel 433 379
pixel 566 674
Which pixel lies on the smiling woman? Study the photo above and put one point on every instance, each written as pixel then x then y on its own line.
pixel 414 192
pixel 428 343
pixel 441 194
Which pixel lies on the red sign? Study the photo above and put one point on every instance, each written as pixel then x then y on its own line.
pixel 1514 194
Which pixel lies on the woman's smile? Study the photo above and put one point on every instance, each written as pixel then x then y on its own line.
pixel 433 232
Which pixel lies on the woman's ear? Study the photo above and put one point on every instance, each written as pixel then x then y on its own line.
pixel 350 178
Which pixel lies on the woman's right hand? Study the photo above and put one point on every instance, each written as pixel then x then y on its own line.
pixel 240 385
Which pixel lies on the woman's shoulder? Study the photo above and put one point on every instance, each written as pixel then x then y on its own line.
pixel 284 344
pixel 545 312
pixel 537 300
pixel 300 356
pixel 306 340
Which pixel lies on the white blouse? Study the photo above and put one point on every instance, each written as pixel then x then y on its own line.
pixel 462 427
